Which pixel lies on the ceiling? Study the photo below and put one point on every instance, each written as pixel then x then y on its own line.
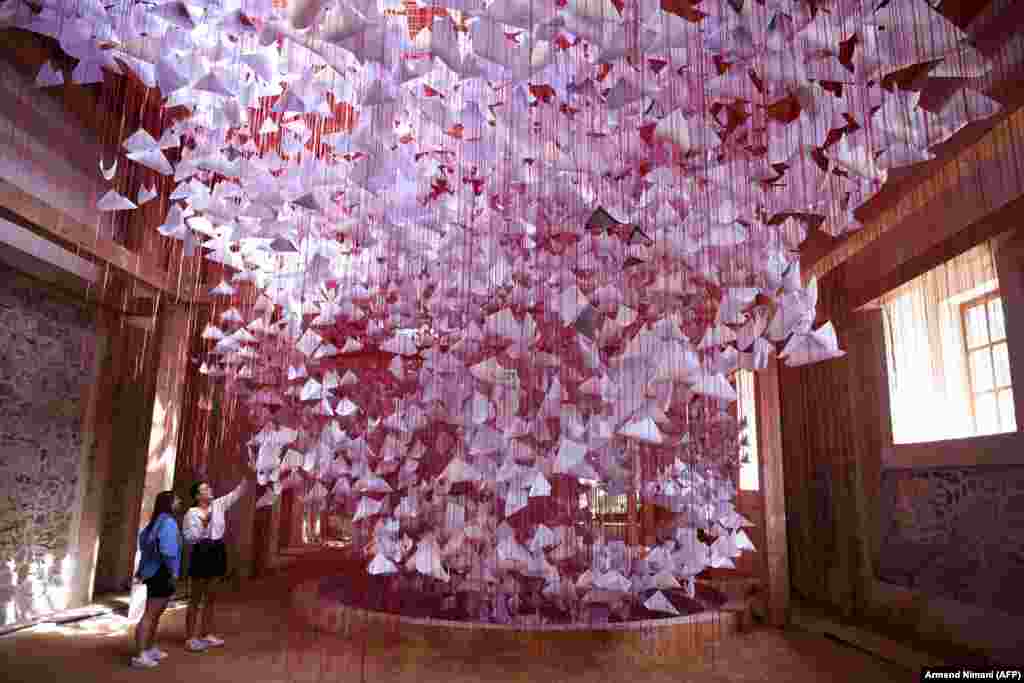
pixel 1008 93
pixel 27 52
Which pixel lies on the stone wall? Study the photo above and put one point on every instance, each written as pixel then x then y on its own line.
pixel 956 532
pixel 47 346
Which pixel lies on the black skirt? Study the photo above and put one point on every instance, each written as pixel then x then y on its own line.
pixel 209 560
pixel 160 585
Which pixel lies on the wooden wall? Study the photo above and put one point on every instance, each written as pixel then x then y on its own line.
pixel 837 444
pixel 834 419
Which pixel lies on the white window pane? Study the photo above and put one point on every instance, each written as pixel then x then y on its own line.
pixel 749 476
pixel 1001 362
pixel 996 324
pixel 977 327
pixel 986 413
pixel 1006 411
pixel 747 410
pixel 981 370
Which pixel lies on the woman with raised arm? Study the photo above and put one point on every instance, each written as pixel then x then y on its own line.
pixel 204 532
pixel 159 567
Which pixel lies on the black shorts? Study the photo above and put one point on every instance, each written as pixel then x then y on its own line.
pixel 160 585
pixel 209 560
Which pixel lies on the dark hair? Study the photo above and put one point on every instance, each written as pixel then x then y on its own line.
pixel 164 504
pixel 194 490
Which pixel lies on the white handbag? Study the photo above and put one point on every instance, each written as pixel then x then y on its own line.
pixel 138 602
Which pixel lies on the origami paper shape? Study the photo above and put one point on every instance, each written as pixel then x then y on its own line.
pixel 49 77
pixel 112 201
pixel 145 195
pixel 368 507
pixel 108 173
pixel 815 346
pixel 659 603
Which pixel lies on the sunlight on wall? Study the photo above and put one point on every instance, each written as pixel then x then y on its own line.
pixel 46 589
pixel 157 435
pixel 10 613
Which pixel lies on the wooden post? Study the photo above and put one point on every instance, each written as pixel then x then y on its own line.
pixel 325 526
pixel 273 539
pixel 124 427
pixel 769 447
pixel 172 358
pixel 286 524
pixel 871 433
pixel 245 539
pixel 1009 257
pixel 94 466
pixel 261 535
pixel 632 523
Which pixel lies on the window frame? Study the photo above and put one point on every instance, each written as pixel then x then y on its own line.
pixel 982 301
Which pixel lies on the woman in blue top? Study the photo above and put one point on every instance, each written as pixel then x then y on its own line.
pixel 159 567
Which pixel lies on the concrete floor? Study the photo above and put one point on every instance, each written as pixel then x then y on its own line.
pixel 265 644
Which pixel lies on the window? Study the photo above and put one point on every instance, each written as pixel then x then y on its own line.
pixel 746 408
pixel 603 504
pixel 988 363
pixel 946 353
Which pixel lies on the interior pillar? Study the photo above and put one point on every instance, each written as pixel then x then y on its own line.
pixel 1009 256
pixel 93 468
pixel 262 530
pixel 162 452
pixel 285 520
pixel 273 539
pixel 870 413
pixel 124 423
pixel 632 521
pixel 246 533
pixel 773 500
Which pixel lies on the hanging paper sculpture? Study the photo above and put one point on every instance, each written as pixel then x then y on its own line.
pixel 563 225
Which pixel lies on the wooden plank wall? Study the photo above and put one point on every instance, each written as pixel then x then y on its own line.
pixel 834 418
pixel 774 554
pixel 837 435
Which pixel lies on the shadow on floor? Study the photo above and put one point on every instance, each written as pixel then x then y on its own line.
pixel 265 643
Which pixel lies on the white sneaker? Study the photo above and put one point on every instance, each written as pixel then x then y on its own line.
pixel 196 645
pixel 143 661
pixel 156 654
pixel 212 641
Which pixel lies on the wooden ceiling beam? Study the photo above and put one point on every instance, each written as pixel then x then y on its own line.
pixel 954 172
pixel 985 201
pixel 956 178
pixel 55 224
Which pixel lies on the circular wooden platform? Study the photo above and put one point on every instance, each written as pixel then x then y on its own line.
pixel 693 636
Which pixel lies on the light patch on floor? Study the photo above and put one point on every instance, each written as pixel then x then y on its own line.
pixel 266 644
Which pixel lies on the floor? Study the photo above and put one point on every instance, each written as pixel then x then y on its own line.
pixel 264 644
